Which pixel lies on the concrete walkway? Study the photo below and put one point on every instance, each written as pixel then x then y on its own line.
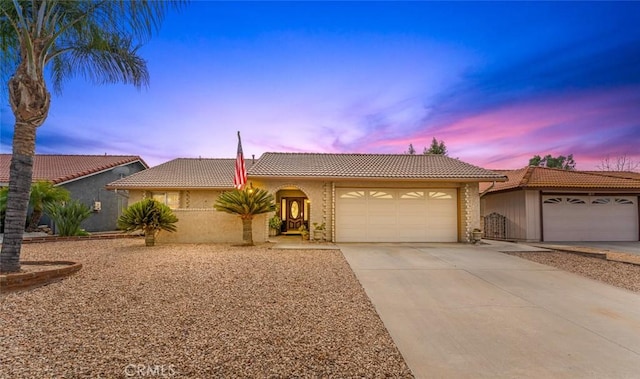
pixel 465 311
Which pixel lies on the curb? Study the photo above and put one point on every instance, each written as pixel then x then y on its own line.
pixel 27 280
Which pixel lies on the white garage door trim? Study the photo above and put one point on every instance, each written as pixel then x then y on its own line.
pixel 396 215
pixel 589 218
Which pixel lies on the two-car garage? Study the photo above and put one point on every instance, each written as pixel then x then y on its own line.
pixel 590 218
pixel 396 215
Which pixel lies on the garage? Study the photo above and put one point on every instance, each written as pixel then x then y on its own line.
pixel 396 215
pixel 589 218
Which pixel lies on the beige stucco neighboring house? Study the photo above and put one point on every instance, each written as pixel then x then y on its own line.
pixel 358 197
pixel 546 204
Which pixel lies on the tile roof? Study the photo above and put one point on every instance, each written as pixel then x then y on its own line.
pixel 182 173
pixel 552 178
pixel 391 166
pixel 63 168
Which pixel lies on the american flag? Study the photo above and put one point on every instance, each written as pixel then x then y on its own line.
pixel 240 176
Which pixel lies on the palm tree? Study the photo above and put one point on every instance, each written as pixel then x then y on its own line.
pixel 150 216
pixel 246 204
pixel 42 194
pixel 95 39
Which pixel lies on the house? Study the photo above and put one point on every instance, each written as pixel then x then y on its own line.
pixel 546 204
pixel 359 197
pixel 85 177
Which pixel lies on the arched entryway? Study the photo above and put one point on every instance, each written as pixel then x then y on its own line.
pixel 294 209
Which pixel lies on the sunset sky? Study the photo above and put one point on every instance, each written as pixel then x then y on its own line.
pixel 497 82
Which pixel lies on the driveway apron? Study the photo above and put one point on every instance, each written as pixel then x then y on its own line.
pixel 465 311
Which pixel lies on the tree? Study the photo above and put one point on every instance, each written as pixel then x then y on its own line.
pixel 437 147
pixel 95 39
pixel 246 204
pixel 42 194
pixel 411 150
pixel 619 163
pixel 561 162
pixel 149 216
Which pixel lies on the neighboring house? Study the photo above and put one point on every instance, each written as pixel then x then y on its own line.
pixel 359 197
pixel 85 177
pixel 545 204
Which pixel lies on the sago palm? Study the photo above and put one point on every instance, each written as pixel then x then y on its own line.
pixel 246 204
pixel 43 194
pixel 150 216
pixel 95 39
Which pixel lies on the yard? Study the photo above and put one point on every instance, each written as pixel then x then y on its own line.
pixel 194 311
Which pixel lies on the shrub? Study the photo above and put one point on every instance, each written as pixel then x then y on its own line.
pixel 149 216
pixel 68 216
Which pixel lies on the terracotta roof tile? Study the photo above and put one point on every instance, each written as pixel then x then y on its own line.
pixel 62 168
pixel 182 173
pixel 392 166
pixel 544 177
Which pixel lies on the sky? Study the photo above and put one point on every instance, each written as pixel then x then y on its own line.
pixel 498 82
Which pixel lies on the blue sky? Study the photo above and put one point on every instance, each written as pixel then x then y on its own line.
pixel 498 82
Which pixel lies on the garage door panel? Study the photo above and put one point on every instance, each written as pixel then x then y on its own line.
pixel 396 215
pixel 590 218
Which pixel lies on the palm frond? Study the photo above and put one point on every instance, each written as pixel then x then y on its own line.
pixel 245 203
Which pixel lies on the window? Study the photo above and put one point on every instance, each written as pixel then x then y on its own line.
pixel 439 196
pixel 573 200
pixel 380 195
pixel 553 200
pixel 623 201
pixel 171 199
pixel 412 195
pixel 352 195
pixel 602 200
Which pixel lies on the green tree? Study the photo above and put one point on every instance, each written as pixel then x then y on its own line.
pixel 246 204
pixel 68 216
pixel 149 216
pixel 437 147
pixel 42 194
pixel 95 39
pixel 561 162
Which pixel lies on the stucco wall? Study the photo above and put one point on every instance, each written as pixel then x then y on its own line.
pixel 199 222
pixel 90 189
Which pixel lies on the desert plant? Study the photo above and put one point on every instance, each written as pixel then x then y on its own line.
pixel 43 194
pixel 246 204
pixel 149 216
pixel 68 216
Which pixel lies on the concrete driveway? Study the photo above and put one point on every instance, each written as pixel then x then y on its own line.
pixel 465 311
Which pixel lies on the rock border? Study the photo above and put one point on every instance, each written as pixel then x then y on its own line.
pixel 27 280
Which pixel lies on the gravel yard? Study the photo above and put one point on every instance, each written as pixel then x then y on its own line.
pixel 623 275
pixel 194 311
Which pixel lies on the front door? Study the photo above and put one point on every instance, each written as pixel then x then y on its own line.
pixel 295 213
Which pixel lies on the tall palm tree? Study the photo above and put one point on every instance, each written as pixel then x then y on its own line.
pixel 246 204
pixel 95 39
pixel 42 194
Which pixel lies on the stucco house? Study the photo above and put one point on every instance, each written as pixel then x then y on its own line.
pixel 85 177
pixel 359 197
pixel 545 204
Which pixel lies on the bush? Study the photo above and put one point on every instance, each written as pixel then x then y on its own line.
pixel 68 216
pixel 150 216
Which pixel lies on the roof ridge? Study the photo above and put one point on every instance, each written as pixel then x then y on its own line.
pixel 366 154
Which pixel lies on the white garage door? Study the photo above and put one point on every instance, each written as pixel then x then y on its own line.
pixel 590 218
pixel 396 215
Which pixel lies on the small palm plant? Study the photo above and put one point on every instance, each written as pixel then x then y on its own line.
pixel 68 216
pixel 42 194
pixel 246 204
pixel 150 216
